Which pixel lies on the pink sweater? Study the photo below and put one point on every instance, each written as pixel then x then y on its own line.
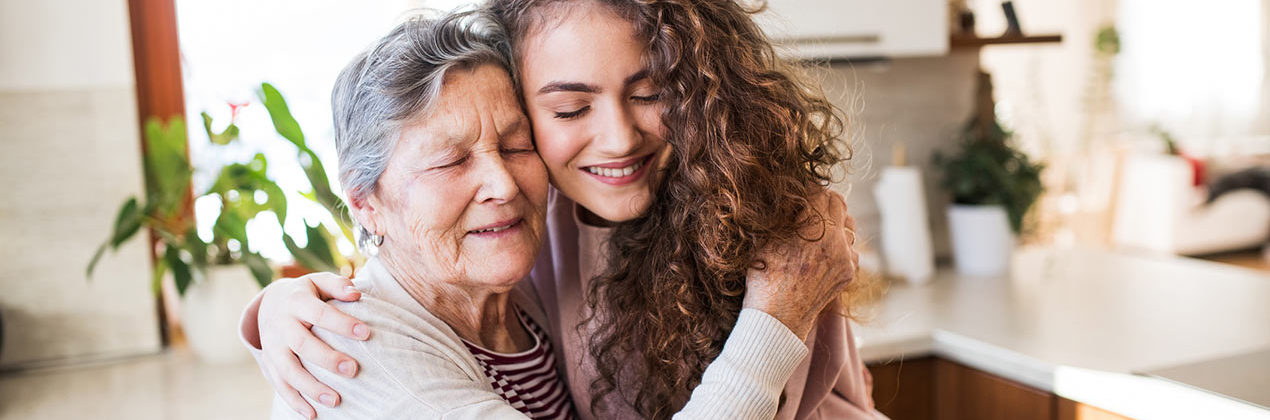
pixel 831 383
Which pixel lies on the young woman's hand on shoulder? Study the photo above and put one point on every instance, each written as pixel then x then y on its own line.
pixel 288 309
pixel 795 280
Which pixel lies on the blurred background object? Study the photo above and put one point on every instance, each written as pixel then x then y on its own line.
pixel 993 185
pixel 70 122
pixel 905 229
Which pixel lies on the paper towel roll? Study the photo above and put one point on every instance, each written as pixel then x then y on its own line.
pixel 906 243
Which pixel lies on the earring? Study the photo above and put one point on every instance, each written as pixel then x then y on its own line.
pixel 378 240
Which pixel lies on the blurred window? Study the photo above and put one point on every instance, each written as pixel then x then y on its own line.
pixel 1197 68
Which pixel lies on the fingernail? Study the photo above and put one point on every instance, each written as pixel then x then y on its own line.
pixel 350 290
pixel 327 400
pixel 305 413
pixel 346 368
pixel 361 331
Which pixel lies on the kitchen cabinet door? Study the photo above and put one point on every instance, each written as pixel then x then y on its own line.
pixel 962 393
pixel 810 29
pixel 930 388
pixel 1071 410
pixel 905 389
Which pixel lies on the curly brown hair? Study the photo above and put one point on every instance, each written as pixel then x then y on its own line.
pixel 753 141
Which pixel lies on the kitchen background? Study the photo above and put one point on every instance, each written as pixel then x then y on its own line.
pixel 1139 110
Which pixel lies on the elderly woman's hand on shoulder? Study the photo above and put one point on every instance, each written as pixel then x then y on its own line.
pixel 799 278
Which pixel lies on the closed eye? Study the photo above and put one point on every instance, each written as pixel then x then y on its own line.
pixel 647 99
pixel 454 163
pixel 573 114
pixel 519 150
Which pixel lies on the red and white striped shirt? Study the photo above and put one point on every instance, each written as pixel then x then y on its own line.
pixel 527 380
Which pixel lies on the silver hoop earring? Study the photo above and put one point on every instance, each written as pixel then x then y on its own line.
pixel 377 240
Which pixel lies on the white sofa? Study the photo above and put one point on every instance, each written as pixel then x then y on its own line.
pixel 1157 209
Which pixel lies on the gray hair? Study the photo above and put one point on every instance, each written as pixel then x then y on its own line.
pixel 398 77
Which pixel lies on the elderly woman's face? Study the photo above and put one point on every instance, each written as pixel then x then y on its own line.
pixel 464 194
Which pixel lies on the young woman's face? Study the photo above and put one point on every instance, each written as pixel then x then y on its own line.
pixel 596 116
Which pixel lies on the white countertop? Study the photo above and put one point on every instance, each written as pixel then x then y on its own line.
pixel 1084 325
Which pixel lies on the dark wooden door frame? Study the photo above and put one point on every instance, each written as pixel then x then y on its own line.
pixel 156 56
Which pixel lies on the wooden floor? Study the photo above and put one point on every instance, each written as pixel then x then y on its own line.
pixel 173 385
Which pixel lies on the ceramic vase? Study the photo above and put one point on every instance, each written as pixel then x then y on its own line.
pixel 210 310
pixel 982 240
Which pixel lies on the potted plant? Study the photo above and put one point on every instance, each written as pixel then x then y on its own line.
pixel 992 184
pixel 217 275
pixel 214 276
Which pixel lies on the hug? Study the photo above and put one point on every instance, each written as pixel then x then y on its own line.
pixel 578 209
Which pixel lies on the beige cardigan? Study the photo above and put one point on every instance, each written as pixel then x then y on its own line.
pixel 415 366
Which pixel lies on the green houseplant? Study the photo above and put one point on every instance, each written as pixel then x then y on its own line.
pixel 992 183
pixel 168 193
pixel 168 173
pixel 203 266
pixel 214 276
pixel 321 252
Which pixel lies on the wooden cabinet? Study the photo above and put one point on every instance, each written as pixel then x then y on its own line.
pixel 1071 410
pixel 858 28
pixel 935 389
pixel 905 390
pixel 962 393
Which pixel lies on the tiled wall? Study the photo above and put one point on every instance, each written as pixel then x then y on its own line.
pixel 68 126
pixel 919 102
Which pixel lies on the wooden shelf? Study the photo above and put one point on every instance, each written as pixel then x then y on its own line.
pixel 971 41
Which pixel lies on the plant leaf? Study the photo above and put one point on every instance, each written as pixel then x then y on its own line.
pixel 318 241
pixel 127 222
pixel 315 255
pixel 259 268
pixel 180 270
pixel 226 136
pixel 168 170
pixel 319 182
pixel 283 122
pixel 92 264
pixel 156 275
pixel 246 179
pixel 197 248
pixel 314 170
pixel 230 225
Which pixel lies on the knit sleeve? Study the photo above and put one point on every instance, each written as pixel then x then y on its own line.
pixel 746 380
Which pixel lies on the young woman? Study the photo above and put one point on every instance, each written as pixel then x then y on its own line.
pixel 692 247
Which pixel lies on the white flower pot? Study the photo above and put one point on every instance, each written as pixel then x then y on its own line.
pixel 982 240
pixel 210 311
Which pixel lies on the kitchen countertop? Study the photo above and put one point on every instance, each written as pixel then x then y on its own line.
pixel 1090 326
pixel 1245 377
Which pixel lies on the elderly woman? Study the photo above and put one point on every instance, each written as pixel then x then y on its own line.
pixel 441 174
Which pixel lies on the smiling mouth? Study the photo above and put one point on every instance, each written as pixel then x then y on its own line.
pixel 620 172
pixel 615 172
pixel 496 228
